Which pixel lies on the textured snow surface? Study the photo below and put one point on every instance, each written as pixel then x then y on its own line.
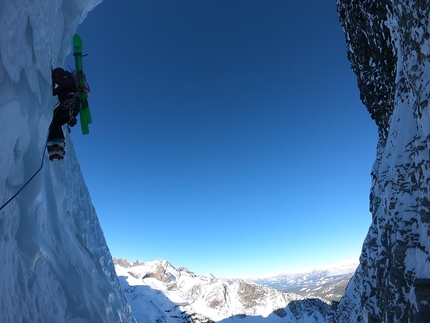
pixel 55 265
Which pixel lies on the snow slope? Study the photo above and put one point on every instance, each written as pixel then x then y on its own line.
pixel 158 292
pixel 55 264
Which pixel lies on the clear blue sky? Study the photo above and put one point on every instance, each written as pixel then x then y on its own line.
pixel 228 136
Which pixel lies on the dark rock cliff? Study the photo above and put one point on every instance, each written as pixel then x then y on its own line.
pixel 388 45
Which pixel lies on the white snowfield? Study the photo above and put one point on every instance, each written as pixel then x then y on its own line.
pixel 55 265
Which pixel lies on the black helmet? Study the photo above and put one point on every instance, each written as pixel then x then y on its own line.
pixel 57 70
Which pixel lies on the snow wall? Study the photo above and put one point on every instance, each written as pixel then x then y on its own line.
pixel 55 265
pixel 388 44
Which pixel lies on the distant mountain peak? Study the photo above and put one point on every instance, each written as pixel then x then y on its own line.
pixel 339 268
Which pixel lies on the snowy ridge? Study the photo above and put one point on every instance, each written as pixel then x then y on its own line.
pixel 158 292
pixel 56 266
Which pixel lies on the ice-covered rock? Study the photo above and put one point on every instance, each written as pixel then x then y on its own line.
pixel 388 44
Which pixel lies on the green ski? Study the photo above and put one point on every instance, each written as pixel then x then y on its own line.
pixel 85 113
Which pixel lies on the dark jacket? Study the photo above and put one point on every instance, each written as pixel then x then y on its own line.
pixel 63 83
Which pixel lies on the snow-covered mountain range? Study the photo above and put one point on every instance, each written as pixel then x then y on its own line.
pixel 158 292
pixel 328 282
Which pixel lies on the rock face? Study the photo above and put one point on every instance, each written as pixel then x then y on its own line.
pixel 388 45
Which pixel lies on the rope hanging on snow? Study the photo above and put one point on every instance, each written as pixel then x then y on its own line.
pixel 31 178
pixel 34 175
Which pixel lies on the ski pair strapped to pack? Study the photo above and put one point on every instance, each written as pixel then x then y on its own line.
pixel 83 89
